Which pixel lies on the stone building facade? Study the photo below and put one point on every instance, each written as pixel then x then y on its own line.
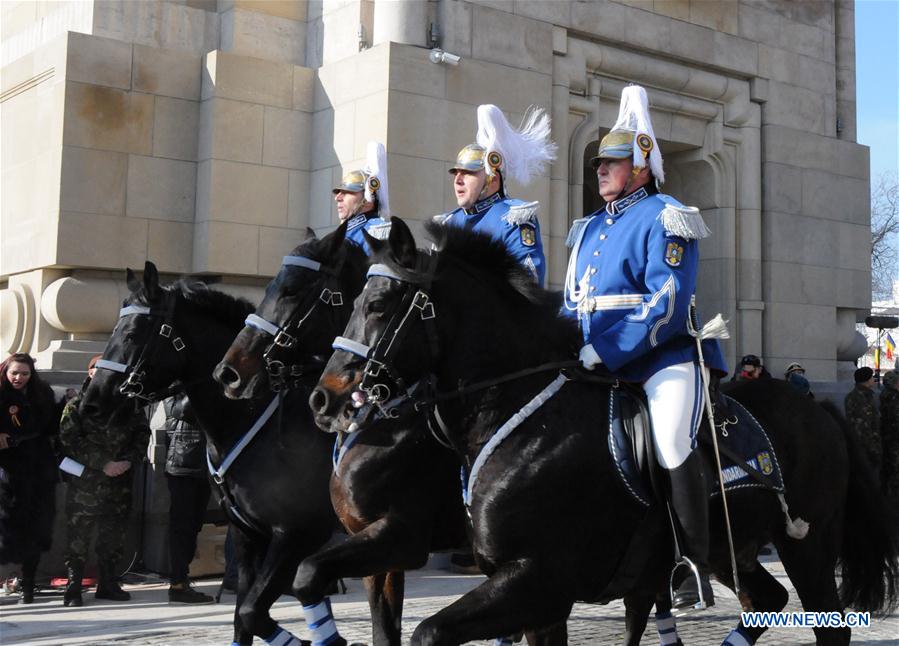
pixel 205 136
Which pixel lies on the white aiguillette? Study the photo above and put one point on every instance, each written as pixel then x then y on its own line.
pixel 70 466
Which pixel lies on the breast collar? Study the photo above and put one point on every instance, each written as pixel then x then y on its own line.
pixel 484 205
pixel 620 206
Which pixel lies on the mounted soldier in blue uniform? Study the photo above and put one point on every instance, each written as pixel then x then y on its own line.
pixel 630 283
pixel 362 198
pixel 479 183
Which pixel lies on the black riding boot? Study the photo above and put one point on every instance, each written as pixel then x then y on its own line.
pixel 689 501
pixel 29 567
pixel 72 596
pixel 108 587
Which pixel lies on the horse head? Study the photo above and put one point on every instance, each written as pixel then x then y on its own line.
pixel 367 371
pixel 305 305
pixel 143 352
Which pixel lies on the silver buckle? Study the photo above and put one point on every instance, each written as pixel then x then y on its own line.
pixel 284 340
pixel 165 330
pixel 334 299
pixel 132 386
pixel 425 305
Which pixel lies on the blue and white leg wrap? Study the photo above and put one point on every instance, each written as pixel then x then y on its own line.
pixel 667 628
pixel 503 641
pixel 321 624
pixel 282 637
pixel 737 638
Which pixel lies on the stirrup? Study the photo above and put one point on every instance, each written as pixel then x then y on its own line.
pixel 693 570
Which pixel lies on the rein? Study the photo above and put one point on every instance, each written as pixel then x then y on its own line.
pixel 287 375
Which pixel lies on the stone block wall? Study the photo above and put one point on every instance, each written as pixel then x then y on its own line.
pixel 207 134
pixel 254 161
pixel 128 174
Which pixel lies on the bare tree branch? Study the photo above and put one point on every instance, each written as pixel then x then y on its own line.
pixel 884 235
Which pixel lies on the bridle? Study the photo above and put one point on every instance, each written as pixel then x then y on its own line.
pixel 134 385
pixel 281 373
pixel 381 380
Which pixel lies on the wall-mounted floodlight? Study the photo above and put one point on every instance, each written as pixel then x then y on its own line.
pixel 438 56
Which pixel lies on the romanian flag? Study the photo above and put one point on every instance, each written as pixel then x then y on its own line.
pixel 890 346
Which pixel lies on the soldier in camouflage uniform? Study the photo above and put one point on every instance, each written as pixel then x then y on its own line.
pixel 863 417
pixel 101 496
pixel 889 434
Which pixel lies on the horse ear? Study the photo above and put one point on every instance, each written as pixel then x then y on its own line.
pixel 338 236
pixel 376 245
pixel 151 279
pixel 310 234
pixel 131 280
pixel 402 243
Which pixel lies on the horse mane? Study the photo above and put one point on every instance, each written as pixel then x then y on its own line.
pixel 221 306
pixel 488 258
pixel 317 249
pixel 491 259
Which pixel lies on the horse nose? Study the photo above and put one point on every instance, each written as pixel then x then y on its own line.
pixel 319 400
pixel 226 375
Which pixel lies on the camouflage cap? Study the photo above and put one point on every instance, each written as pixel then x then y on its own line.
pixel 890 379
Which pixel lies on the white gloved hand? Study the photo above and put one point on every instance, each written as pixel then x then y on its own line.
pixel 589 358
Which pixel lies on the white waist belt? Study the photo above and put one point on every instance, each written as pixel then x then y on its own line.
pixel 612 302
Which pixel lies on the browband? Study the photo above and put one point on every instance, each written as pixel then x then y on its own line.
pixel 115 366
pixel 353 347
pixel 302 261
pixel 133 309
pixel 379 269
pixel 261 324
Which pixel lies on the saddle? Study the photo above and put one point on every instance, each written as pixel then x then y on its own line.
pixel 748 459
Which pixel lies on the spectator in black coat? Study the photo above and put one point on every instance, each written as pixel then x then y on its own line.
pixel 28 426
pixel 185 472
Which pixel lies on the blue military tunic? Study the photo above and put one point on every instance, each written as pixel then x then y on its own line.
pixel 512 221
pixel 371 222
pixel 631 279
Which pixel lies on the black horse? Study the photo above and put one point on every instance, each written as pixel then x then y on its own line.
pixel 552 521
pixel 275 488
pixel 394 488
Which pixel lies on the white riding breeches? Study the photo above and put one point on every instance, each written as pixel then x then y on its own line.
pixel 676 403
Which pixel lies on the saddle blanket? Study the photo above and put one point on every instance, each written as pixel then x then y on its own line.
pixel 740 439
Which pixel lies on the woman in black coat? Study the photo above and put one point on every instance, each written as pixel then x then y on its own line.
pixel 29 420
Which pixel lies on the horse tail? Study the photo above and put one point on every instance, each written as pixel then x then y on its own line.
pixel 869 554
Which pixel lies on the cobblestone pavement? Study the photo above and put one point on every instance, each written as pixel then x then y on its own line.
pixel 148 620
